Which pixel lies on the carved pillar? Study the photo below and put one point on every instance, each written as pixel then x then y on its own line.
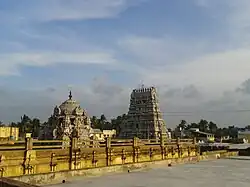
pixel 178 140
pixel 151 152
pixel 2 166
pixel 189 151
pixel 28 144
pixel 135 149
pixel 74 143
pixel 123 156
pixel 178 146
pixel 29 157
pixel 198 150
pixel 53 162
pixel 194 140
pixel 162 144
pixel 108 152
pixel 94 160
pixel 73 152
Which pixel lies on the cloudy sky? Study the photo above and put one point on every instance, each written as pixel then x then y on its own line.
pixel 195 52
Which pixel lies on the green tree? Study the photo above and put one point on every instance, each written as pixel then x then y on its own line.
pixel 13 124
pixel 36 125
pixel 95 122
pixel 28 125
pixel 118 122
pixel 193 125
pixel 247 127
pixel 232 131
pixel 212 127
pixel 103 118
pixel 24 125
pixel 203 125
pixel 182 125
pixel 100 123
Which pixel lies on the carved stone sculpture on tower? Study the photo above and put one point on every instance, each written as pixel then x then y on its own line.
pixel 70 120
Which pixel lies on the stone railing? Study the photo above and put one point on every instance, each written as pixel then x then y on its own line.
pixel 34 144
pixel 36 157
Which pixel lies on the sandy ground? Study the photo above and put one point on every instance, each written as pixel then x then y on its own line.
pixel 226 173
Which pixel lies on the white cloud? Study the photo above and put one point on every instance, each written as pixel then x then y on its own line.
pixel 99 96
pixel 165 50
pixel 102 96
pixel 11 62
pixel 212 66
pixel 30 47
pixel 214 72
pixel 215 67
pixel 163 61
pixel 234 15
pixel 47 10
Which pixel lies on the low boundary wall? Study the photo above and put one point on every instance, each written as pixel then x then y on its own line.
pixel 58 177
pixel 29 161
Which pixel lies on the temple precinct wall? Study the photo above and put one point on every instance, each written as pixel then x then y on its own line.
pixel 32 157
pixel 36 163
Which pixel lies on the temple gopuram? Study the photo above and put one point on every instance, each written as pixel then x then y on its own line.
pixel 144 116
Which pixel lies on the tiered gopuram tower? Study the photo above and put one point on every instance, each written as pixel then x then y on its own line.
pixel 144 117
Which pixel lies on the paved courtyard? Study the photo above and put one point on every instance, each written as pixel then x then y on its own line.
pixel 228 173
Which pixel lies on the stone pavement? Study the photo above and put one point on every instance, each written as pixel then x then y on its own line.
pixel 224 172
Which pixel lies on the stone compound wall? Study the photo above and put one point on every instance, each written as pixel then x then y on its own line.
pixel 54 165
pixel 37 161
pixel 58 177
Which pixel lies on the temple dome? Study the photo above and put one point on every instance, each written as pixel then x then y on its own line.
pixel 70 106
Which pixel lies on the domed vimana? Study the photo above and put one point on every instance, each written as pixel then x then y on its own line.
pixel 71 120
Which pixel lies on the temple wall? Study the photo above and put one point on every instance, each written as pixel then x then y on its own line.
pixel 53 165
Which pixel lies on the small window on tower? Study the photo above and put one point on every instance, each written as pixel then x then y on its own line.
pixel 72 120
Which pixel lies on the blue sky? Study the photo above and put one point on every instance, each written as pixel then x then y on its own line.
pixel 196 52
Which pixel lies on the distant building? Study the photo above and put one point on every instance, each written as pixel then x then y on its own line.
pixel 200 136
pixel 245 135
pixel 109 133
pixel 101 135
pixel 181 133
pixel 144 118
pixel 9 133
pixel 97 134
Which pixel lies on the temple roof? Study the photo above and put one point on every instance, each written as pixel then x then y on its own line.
pixel 70 106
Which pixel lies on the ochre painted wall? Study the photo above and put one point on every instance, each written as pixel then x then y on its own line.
pixel 7 132
pixel 17 163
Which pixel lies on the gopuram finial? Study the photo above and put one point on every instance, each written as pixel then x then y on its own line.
pixel 70 94
pixel 142 86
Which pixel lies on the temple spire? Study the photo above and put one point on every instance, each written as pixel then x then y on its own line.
pixel 70 94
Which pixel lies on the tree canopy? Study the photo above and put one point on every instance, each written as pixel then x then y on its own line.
pixel 210 127
pixel 34 125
